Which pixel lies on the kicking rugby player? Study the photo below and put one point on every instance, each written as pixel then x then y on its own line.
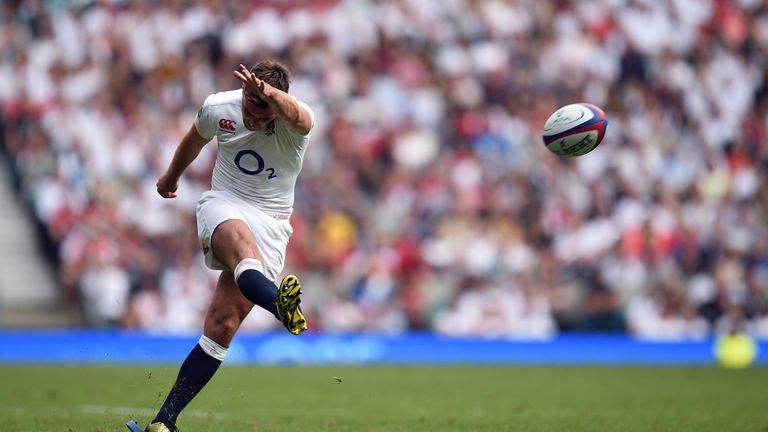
pixel 243 221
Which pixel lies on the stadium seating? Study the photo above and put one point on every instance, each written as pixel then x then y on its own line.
pixel 427 199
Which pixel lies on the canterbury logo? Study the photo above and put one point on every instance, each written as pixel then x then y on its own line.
pixel 227 125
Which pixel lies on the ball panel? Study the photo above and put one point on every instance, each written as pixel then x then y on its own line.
pixel 566 118
pixel 596 109
pixel 582 128
pixel 578 143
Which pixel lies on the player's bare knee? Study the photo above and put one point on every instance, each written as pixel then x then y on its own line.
pixel 222 327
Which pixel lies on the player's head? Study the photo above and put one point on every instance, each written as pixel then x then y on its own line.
pixel 256 113
pixel 273 72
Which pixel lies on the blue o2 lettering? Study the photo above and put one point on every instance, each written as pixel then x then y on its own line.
pixel 259 163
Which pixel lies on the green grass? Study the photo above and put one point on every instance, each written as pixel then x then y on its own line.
pixel 444 399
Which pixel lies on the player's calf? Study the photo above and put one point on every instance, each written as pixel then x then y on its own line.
pixel 250 278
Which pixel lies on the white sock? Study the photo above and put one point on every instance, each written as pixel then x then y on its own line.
pixel 212 348
pixel 248 264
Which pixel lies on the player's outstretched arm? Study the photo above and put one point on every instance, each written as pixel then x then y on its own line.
pixel 281 103
pixel 186 152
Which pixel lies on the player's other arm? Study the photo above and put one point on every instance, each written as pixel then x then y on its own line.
pixel 286 107
pixel 186 152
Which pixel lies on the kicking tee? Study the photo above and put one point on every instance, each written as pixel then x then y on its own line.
pixel 258 166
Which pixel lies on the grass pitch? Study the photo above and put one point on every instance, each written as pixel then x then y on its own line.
pixel 378 399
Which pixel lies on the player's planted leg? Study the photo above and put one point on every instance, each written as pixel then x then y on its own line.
pixel 226 312
pixel 200 365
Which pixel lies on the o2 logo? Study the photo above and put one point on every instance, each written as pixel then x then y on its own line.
pixel 250 154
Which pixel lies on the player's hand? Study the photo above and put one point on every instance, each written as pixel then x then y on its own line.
pixel 261 88
pixel 167 187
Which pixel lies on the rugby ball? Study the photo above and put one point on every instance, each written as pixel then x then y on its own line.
pixel 575 129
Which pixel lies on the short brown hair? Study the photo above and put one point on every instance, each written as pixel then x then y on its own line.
pixel 274 73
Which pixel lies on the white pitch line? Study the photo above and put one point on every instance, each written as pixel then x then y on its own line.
pixel 27 411
pixel 145 412
pixel 103 410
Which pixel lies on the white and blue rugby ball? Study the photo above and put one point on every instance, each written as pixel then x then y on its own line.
pixel 575 129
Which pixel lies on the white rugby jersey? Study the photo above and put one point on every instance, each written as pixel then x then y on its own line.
pixel 259 166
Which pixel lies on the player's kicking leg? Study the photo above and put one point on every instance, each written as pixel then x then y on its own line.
pixel 234 245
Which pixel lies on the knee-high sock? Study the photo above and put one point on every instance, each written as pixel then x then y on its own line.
pixel 249 277
pixel 200 365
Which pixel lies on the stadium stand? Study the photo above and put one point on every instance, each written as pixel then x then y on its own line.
pixel 427 200
pixel 29 294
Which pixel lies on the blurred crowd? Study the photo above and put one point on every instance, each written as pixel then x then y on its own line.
pixel 427 199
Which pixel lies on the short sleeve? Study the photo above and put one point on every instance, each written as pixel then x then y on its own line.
pixel 204 121
pixel 309 110
pixel 292 132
